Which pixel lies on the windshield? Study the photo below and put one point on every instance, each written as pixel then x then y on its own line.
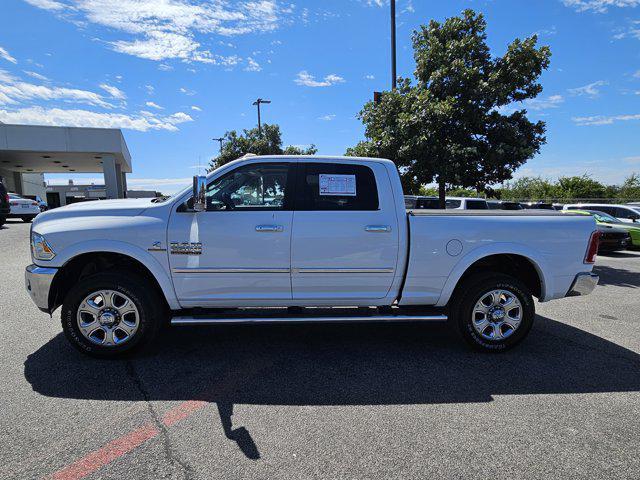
pixel 604 217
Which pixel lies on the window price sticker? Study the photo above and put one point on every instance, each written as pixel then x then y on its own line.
pixel 337 185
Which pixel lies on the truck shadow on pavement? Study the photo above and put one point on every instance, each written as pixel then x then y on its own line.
pixel 617 277
pixel 335 365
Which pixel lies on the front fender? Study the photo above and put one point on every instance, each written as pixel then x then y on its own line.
pixel 501 248
pixel 153 262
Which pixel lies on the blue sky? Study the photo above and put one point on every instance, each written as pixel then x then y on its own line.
pixel 176 73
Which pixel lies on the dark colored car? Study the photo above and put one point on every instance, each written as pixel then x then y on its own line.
pixel 503 205
pixel 613 239
pixel 5 207
pixel 537 206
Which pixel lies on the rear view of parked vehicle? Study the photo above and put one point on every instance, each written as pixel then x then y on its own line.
pixel 23 208
pixel 606 222
pixel 503 205
pixel 463 203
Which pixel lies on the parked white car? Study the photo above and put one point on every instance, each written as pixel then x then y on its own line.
pixel 464 203
pixel 286 231
pixel 23 208
pixel 624 213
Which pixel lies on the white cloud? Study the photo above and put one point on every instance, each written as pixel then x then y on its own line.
pixel 150 89
pixel 544 103
pixel 186 91
pixel 154 105
pixel 328 117
pixel 632 159
pixel 196 108
pixel 6 56
pixel 369 77
pixel 590 90
pixel 53 5
pixel 599 6
pixel 170 29
pixel 636 74
pixel 86 118
pixel 306 79
pixel 115 92
pixel 14 91
pixel 36 75
pixel 604 119
pixel 252 65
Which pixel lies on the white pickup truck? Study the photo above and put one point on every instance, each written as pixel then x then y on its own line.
pixel 300 239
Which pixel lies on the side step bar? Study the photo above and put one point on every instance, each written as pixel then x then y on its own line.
pixel 215 320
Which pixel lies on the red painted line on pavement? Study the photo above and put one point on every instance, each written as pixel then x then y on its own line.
pixel 112 450
pixel 129 442
pixel 182 411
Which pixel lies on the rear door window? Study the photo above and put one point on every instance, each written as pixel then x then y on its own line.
pixel 453 203
pixel 335 186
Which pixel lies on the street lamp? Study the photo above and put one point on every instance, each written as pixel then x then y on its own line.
pixel 221 139
pixel 257 103
pixel 393 44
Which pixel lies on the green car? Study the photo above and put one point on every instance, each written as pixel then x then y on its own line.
pixel 609 221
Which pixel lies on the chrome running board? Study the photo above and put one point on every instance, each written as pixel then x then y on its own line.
pixel 215 320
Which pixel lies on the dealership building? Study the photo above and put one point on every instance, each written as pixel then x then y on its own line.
pixel 27 152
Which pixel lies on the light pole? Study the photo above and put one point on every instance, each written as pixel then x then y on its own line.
pixel 221 139
pixel 393 44
pixel 257 103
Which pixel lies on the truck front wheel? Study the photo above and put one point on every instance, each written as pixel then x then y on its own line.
pixel 492 312
pixel 109 314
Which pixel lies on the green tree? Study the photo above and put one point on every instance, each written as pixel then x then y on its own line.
pixel 579 187
pixel 451 126
pixel 236 145
pixel 529 188
pixel 630 189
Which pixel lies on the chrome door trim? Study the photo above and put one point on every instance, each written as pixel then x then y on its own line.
pixel 377 228
pixel 269 228
pixel 230 270
pixel 343 270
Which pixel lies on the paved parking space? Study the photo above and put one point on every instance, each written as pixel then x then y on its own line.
pixel 354 401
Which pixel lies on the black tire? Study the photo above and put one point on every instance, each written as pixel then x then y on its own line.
pixel 27 219
pixel 471 291
pixel 151 312
pixel 3 220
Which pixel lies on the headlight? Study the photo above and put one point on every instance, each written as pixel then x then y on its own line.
pixel 40 249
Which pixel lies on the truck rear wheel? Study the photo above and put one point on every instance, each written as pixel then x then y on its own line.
pixel 492 312
pixel 109 314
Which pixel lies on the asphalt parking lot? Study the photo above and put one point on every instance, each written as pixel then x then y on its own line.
pixel 350 401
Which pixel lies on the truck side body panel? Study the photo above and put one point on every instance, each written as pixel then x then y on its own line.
pixel 444 246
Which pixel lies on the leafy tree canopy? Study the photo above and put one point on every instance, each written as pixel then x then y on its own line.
pixel 236 145
pixel 454 124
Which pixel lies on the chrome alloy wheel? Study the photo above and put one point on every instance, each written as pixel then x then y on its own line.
pixel 108 318
pixel 497 315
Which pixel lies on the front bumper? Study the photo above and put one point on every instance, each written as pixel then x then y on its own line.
pixel 583 284
pixel 38 282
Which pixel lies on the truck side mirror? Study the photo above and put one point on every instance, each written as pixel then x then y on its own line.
pixel 199 193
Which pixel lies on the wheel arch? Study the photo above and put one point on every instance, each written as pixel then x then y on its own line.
pixel 87 263
pixel 516 261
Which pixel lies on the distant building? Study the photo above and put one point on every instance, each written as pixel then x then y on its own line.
pixel 60 195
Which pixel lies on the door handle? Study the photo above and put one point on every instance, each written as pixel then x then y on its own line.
pixel 269 228
pixel 377 228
